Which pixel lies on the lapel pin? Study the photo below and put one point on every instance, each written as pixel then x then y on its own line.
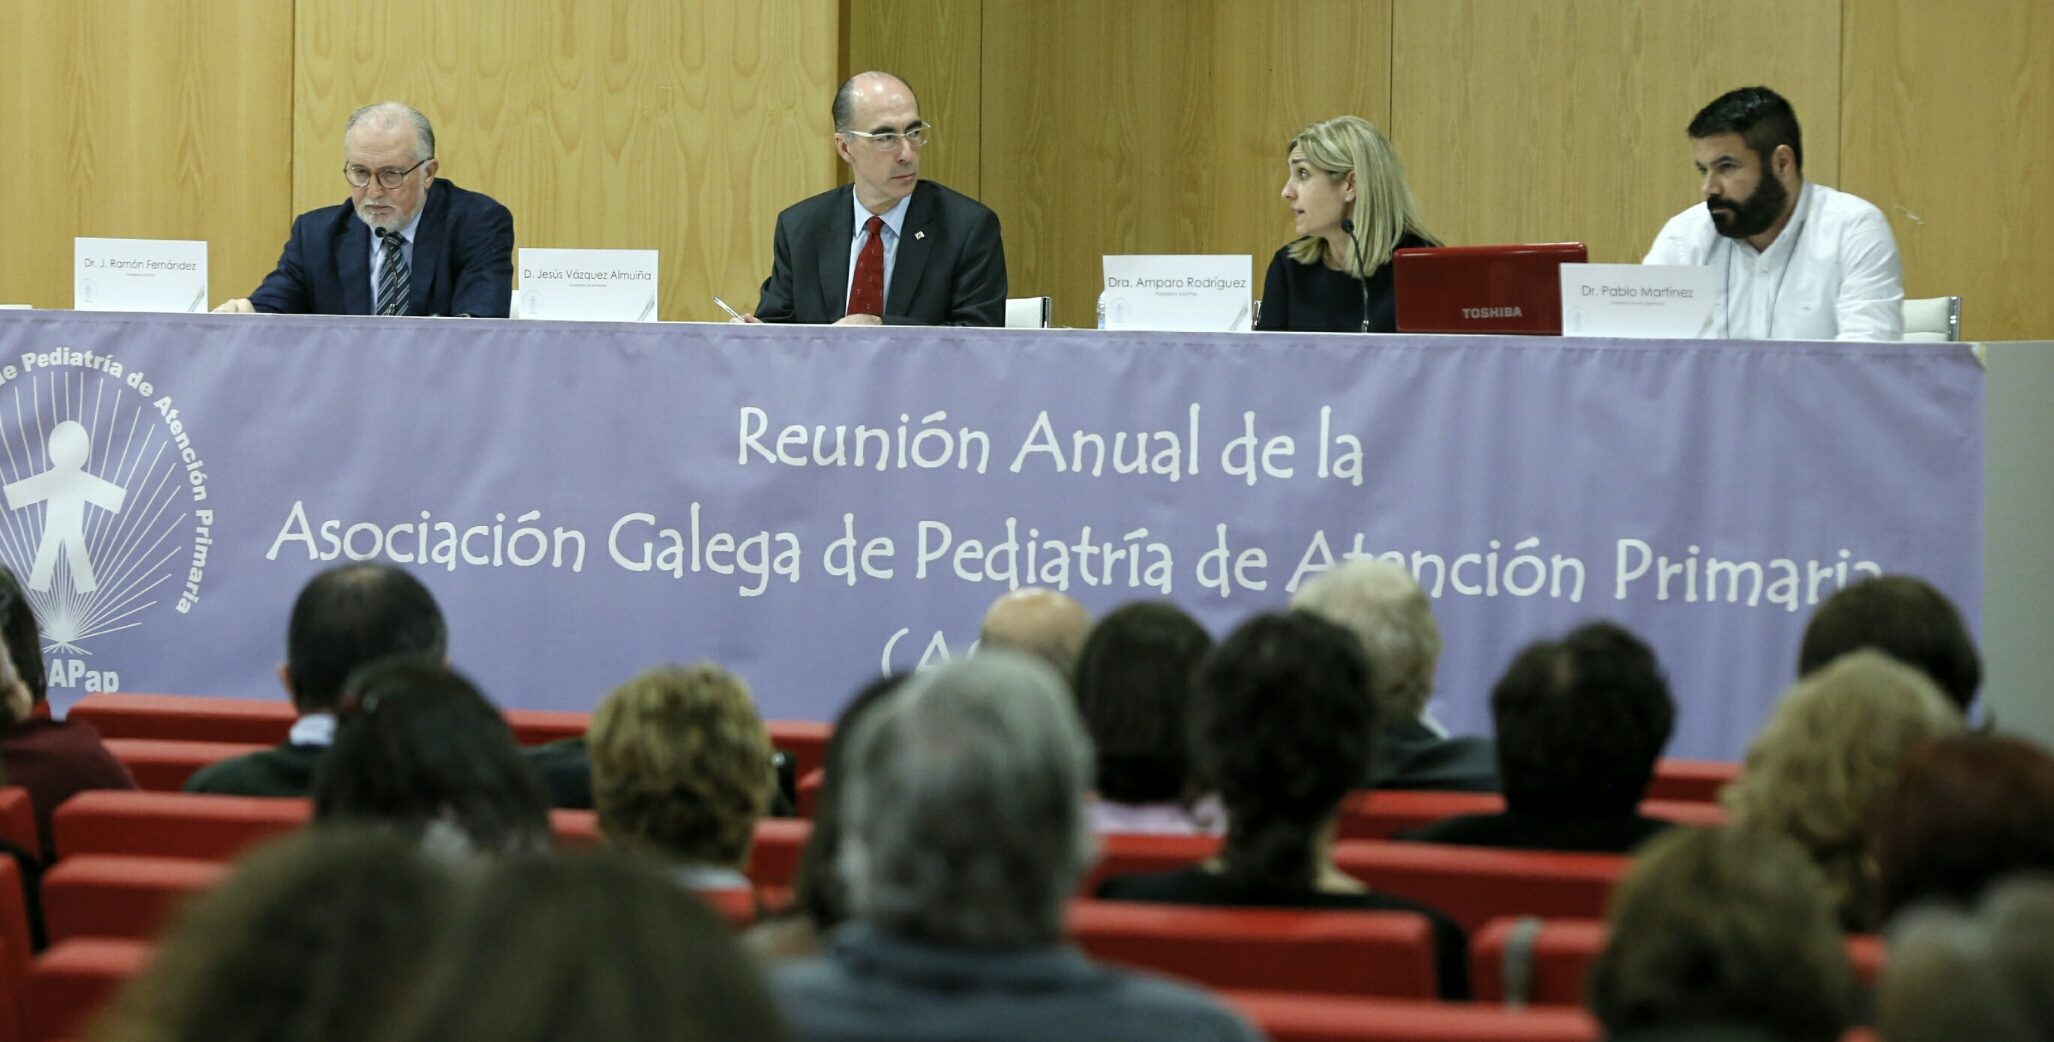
pixel 919 235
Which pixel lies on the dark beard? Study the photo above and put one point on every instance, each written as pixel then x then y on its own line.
pixel 1753 215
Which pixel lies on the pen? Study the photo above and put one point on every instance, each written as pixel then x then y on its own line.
pixel 731 312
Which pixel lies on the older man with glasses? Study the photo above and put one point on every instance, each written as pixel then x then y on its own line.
pixel 889 249
pixel 406 242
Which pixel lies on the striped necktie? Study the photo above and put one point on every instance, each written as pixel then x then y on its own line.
pixel 393 277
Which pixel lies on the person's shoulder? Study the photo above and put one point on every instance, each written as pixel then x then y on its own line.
pixel 1173 1008
pixel 285 770
pixel 813 207
pixel 1185 886
pixel 1463 830
pixel 326 221
pixel 1834 201
pixel 463 200
pixel 949 199
pixel 1692 223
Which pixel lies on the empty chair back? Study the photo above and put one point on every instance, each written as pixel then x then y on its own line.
pixel 1331 952
pixel 1474 885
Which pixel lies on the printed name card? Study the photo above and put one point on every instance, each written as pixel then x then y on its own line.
pixel 1195 294
pixel 1648 301
pixel 139 275
pixel 588 285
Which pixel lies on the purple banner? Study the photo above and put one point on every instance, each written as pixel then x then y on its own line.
pixel 805 505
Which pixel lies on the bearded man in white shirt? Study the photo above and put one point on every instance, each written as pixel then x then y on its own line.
pixel 1795 260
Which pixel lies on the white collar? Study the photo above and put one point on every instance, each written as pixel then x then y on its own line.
pixel 312 729
pixel 894 218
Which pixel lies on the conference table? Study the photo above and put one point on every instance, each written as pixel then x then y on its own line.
pixel 810 505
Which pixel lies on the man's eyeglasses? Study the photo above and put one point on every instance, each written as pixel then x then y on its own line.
pixel 388 178
pixel 918 137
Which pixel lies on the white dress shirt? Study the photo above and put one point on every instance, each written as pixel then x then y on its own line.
pixel 1832 274
pixel 894 219
pixel 406 249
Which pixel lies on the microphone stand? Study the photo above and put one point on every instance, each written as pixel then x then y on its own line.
pixel 1362 277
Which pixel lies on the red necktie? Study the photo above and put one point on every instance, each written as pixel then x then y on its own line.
pixel 866 291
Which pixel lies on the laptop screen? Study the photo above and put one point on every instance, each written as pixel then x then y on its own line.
pixel 1483 289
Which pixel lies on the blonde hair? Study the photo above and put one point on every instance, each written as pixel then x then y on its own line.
pixel 1817 770
pixel 1384 210
pixel 681 765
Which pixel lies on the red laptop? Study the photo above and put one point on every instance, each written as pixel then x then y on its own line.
pixel 1483 289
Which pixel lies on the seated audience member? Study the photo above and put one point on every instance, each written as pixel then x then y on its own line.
pixel 1384 607
pixel 964 834
pixel 1280 726
pixel 1984 975
pixel 819 900
pixel 1580 723
pixel 314 938
pixel 1961 814
pixel 1034 621
pixel 1350 209
pixel 1819 766
pixel 344 618
pixel 681 771
pixel 52 759
pixel 417 746
pixel 1722 934
pixel 1904 618
pixel 596 946
pixel 1134 692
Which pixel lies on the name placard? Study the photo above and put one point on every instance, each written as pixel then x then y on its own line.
pixel 588 285
pixel 1185 293
pixel 1647 301
pixel 139 275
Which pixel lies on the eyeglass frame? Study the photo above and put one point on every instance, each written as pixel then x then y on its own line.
pixel 399 176
pixel 887 141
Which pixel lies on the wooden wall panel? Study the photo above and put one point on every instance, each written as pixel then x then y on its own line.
pixel 155 119
pixel 1545 120
pixel 937 46
pixel 1159 126
pixel 677 125
pixel 1949 127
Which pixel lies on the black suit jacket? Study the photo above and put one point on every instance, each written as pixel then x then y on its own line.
pixel 950 269
pixel 462 261
pixel 1411 756
pixel 287 770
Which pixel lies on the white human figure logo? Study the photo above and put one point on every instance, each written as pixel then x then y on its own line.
pixel 67 488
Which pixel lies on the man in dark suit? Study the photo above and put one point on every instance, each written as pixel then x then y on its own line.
pixel 889 249
pixel 405 243
pixel 344 618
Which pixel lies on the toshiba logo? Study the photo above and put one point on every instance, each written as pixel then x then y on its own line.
pixel 1511 312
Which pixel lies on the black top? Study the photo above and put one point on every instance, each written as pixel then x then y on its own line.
pixel 287 770
pixel 1618 834
pixel 1313 298
pixel 1196 886
pixel 1411 756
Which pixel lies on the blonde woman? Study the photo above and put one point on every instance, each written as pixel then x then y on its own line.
pixel 1819 767
pixel 1350 208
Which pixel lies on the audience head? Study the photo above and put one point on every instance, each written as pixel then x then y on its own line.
pixel 419 747
pixel 1034 621
pixel 23 634
pixel 817 889
pixel 1281 730
pixel 963 814
pixel 351 616
pixel 1134 691
pixel 1820 764
pixel 314 938
pixel 1345 168
pixel 596 946
pixel 1726 928
pixel 1580 723
pixel 1904 618
pixel 681 765
pixel 1383 606
pixel 1962 813
pixel 1954 974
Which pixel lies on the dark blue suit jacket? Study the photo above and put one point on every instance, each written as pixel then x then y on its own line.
pixel 951 267
pixel 462 263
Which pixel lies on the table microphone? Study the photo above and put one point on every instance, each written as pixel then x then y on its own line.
pixel 1348 229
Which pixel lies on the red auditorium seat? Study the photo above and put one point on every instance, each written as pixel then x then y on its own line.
pixel 14 953
pixel 1696 781
pixel 125 896
pixel 808 796
pixel 805 741
pixel 1342 953
pixel 164 764
pixel 1320 1018
pixel 1384 813
pixel 185 717
pixel 1474 885
pixel 171 824
pixel 1126 855
pixel 18 821
pixel 70 982
pixel 774 857
pixel 1564 949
